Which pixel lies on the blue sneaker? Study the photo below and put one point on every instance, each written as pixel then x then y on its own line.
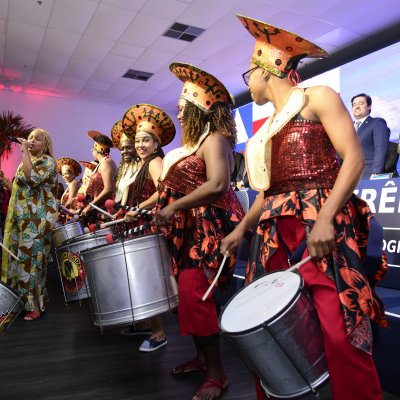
pixel 152 344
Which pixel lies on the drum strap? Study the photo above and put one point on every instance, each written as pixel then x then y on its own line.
pixel 296 256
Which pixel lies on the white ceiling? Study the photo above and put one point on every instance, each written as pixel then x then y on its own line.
pixel 81 48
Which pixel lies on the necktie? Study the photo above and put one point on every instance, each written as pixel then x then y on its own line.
pixel 358 123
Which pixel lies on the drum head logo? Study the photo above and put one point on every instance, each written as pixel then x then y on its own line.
pixel 73 271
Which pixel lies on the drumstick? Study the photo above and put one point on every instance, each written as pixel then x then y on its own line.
pixel 110 237
pixel 298 265
pixel 117 221
pixel 97 225
pixel 9 252
pixel 110 205
pixel 137 229
pixel 65 210
pixel 215 279
pixel 82 199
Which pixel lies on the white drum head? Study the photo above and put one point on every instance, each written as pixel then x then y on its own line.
pixel 259 301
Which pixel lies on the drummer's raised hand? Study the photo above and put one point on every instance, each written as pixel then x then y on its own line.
pixel 164 216
pixel 230 243
pixel 321 240
pixel 131 216
pixel 119 215
pixel 85 211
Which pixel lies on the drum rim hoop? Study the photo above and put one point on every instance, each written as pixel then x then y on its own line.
pixel 273 318
pixel 13 291
pixel 121 242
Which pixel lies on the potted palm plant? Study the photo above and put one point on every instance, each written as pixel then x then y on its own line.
pixel 12 126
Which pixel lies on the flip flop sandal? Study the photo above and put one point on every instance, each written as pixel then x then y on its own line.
pixel 32 316
pixel 190 367
pixel 211 382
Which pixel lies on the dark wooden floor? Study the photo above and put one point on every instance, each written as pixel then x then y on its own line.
pixel 62 356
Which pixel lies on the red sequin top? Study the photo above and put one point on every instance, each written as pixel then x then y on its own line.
pixel 64 197
pixel 147 191
pixel 190 173
pixel 96 185
pixel 303 158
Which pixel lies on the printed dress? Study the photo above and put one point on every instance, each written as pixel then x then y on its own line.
pixel 31 217
pixel 195 235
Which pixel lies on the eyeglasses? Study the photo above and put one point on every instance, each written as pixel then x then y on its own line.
pixel 246 75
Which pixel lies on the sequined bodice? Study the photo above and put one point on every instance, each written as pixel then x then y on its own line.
pixel 64 197
pixel 148 190
pixel 303 158
pixel 96 185
pixel 190 173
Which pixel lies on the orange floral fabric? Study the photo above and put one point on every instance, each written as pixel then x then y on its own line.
pixel 345 266
pixel 195 235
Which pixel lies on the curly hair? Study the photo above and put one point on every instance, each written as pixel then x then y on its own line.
pixel 121 167
pixel 220 118
pixel 123 164
pixel 137 186
pixel 47 142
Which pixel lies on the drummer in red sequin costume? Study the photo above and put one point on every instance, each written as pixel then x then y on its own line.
pixel 150 128
pixel 102 181
pixel 199 208
pixel 90 166
pixel 70 170
pixel 292 162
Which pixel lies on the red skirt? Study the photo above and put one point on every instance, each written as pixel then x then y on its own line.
pixel 196 317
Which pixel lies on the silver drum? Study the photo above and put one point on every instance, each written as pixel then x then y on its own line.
pixel 66 232
pixel 130 281
pixel 71 266
pixel 275 328
pixel 10 306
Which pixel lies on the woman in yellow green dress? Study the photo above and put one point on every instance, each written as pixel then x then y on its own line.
pixel 31 217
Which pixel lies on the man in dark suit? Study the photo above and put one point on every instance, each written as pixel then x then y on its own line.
pixel 373 134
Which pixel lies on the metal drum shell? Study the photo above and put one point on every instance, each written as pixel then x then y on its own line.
pixel 10 306
pixel 66 232
pixel 130 281
pixel 76 245
pixel 287 351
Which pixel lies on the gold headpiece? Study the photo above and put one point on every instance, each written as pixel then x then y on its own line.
pixel 90 164
pixel 150 119
pixel 118 134
pixel 106 142
pixel 276 50
pixel 70 163
pixel 200 88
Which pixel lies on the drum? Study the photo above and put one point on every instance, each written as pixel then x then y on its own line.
pixel 10 307
pixel 66 232
pixel 275 328
pixel 130 281
pixel 71 267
